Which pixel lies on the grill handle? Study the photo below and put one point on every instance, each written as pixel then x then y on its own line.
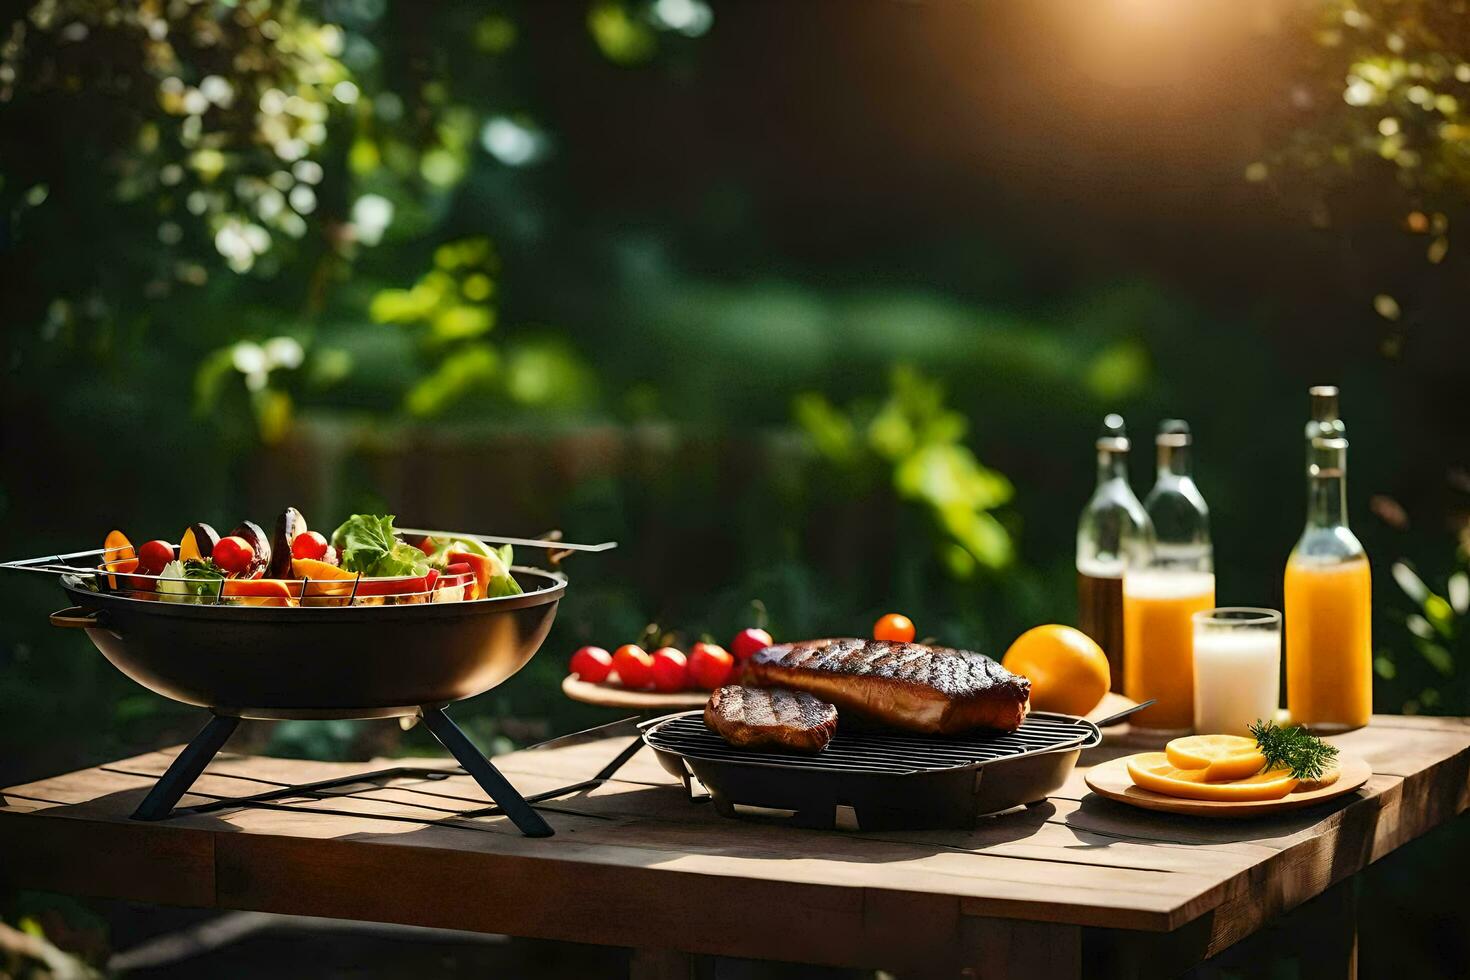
pixel 1094 738
pixel 76 618
pixel 1118 716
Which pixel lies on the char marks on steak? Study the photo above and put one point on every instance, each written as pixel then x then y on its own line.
pixel 920 688
pixel 757 717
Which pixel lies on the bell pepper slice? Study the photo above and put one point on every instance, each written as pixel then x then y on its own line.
pixel 480 567
pixel 329 584
pixel 117 546
pixel 392 586
pixel 257 591
pixel 119 564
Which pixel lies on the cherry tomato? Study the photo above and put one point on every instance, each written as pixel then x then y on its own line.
pixel 309 544
pixel 749 642
pixel 233 554
pixel 592 664
pixel 634 665
pixel 153 555
pixel 895 628
pixel 710 665
pixel 670 669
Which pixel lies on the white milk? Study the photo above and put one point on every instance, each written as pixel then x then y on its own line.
pixel 1237 678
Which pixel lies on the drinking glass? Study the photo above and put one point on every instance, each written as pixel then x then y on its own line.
pixel 1237 669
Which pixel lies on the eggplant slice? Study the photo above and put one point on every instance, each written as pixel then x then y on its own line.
pixel 288 525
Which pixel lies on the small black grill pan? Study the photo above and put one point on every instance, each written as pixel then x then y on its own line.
pixel 874 780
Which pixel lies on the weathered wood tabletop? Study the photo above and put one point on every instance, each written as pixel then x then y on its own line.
pixel 1074 886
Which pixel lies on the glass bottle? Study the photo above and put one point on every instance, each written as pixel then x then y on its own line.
pixel 1161 596
pixel 1324 420
pixel 1328 583
pixel 1112 531
pixel 1180 516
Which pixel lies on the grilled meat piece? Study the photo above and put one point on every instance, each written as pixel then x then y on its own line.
pixel 757 717
pixel 934 690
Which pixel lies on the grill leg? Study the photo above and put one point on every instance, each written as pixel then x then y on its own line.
pixel 173 784
pixel 491 781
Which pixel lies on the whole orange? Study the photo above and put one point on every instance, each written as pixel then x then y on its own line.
pixel 1067 670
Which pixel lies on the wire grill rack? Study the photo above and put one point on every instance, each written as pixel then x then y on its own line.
pixel 883 753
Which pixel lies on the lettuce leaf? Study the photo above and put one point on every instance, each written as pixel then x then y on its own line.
pixel 366 544
pixel 192 581
pixel 504 583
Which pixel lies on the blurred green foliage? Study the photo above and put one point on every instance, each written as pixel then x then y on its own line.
pixel 1379 130
pixel 915 436
pixel 1433 673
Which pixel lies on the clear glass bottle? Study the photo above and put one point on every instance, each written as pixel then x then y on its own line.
pixel 1161 596
pixel 1176 508
pixel 1324 420
pixel 1112 532
pixel 1329 615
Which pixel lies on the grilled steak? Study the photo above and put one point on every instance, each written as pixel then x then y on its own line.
pixel 934 690
pixel 756 717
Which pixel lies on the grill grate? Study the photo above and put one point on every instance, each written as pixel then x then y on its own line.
pixel 884 753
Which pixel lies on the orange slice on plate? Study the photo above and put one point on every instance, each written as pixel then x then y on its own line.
pixel 1153 771
pixel 1221 757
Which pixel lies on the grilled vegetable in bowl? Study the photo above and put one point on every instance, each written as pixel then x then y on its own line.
pixel 254 535
pixel 198 542
pixel 367 563
pixel 191 580
pixel 288 526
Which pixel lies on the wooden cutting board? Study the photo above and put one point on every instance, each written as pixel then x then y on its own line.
pixel 1111 780
pixel 612 696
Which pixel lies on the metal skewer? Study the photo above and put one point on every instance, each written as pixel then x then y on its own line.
pixel 552 543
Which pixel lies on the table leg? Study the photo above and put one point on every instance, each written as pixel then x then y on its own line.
pixel 480 768
pixel 1320 935
pixel 1331 920
pixel 186 767
pixel 661 964
pixel 1012 949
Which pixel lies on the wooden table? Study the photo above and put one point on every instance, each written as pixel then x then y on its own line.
pixel 1070 887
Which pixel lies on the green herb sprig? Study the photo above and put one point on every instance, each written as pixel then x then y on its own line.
pixel 1304 755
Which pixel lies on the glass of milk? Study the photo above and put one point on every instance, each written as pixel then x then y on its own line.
pixel 1237 669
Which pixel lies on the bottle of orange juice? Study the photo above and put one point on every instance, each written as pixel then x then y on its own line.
pixel 1161 597
pixel 1329 617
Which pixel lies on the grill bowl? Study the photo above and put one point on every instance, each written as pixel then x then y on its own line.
pixel 873 780
pixel 322 662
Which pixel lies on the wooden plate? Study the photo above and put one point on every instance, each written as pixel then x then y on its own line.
pixel 1111 780
pixel 612 696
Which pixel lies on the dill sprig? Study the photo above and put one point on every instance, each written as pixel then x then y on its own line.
pixel 1305 756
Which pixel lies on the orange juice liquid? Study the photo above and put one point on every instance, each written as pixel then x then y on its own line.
pixel 1158 643
pixel 1329 643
